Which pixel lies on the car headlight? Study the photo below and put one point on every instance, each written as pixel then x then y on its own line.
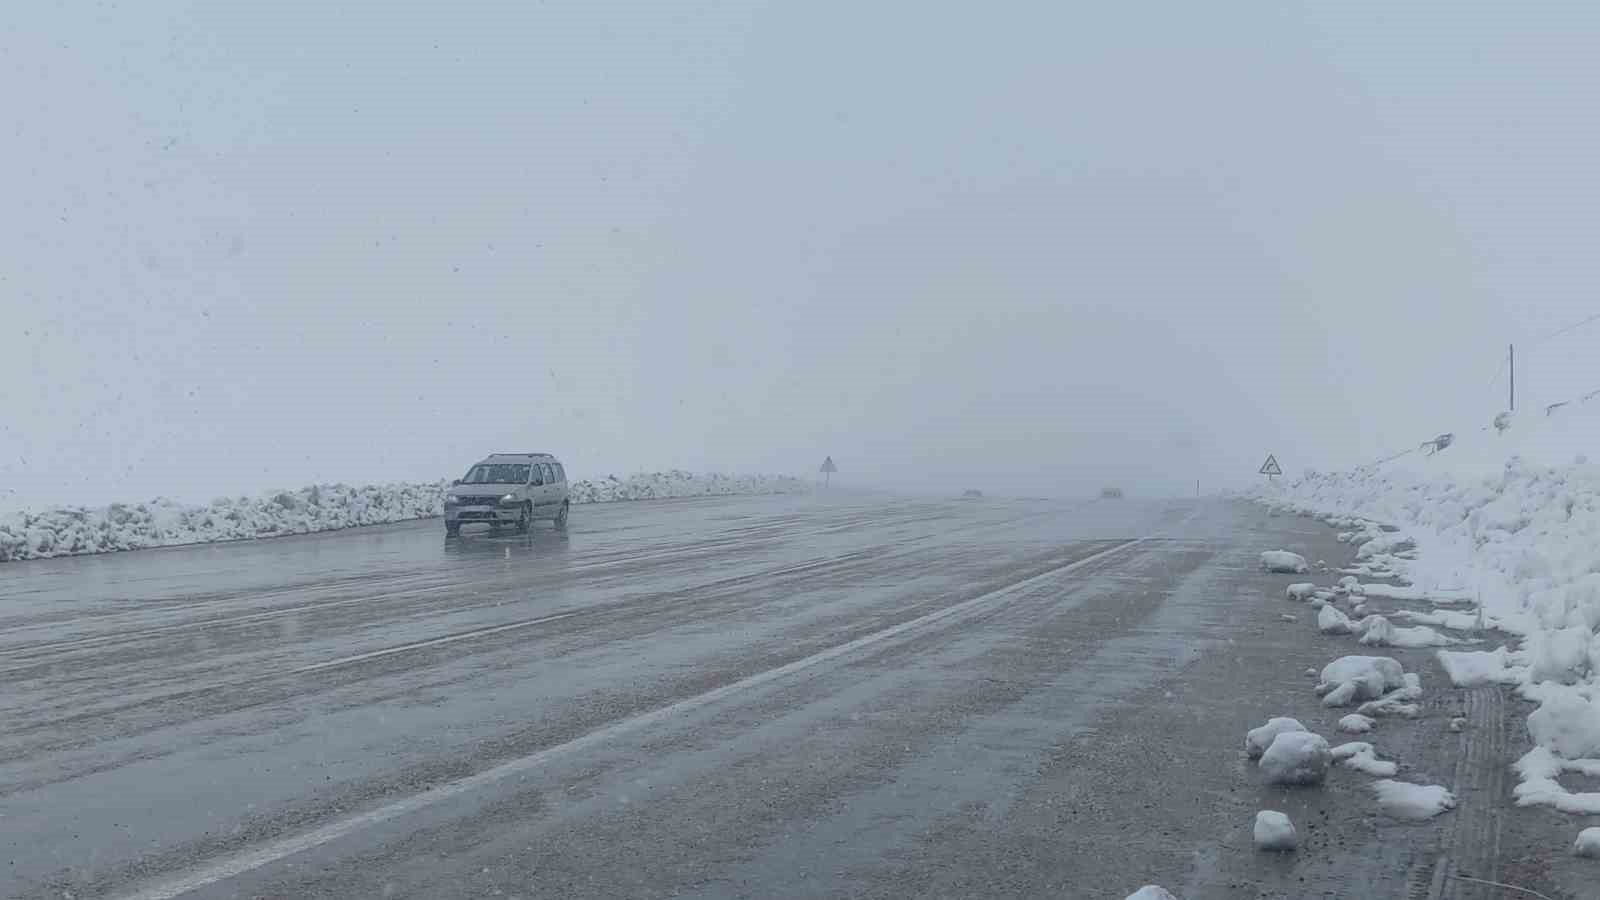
pixel 509 498
pixel 451 500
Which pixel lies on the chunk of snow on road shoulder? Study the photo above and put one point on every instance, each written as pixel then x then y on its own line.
pixel 1412 801
pixel 1388 707
pixel 1567 724
pixel 1296 758
pixel 1352 678
pixel 1588 844
pixel 1331 621
pixel 1537 772
pixel 1284 561
pixel 1561 655
pixel 1459 621
pixel 1257 740
pixel 1356 723
pixel 1287 617
pixel 1151 892
pixel 1362 757
pixel 1274 831
pixel 1471 668
pixel 1350 584
pixel 1378 631
pixel 1386 673
pixel 1300 591
pixel 1392 592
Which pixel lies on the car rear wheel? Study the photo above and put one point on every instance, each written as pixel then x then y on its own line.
pixel 561 517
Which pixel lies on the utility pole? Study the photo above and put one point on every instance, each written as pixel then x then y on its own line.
pixel 1513 364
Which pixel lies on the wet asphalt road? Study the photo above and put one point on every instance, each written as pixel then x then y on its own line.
pixel 739 697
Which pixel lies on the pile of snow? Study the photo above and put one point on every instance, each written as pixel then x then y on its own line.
pixel 1538 770
pixel 1355 723
pixel 162 523
pixel 1284 561
pixel 1412 801
pixel 1331 621
pixel 1378 631
pixel 1352 678
pixel 1274 831
pixel 1588 843
pixel 1257 740
pixel 1296 758
pixel 1509 519
pixel 1470 668
pixel 1301 591
pixel 1361 756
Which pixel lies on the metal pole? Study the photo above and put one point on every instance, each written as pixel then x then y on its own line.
pixel 1513 358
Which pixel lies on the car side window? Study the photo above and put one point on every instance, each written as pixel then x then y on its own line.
pixel 536 479
pixel 549 474
pixel 561 472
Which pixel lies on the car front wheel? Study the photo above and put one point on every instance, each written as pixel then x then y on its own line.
pixel 561 517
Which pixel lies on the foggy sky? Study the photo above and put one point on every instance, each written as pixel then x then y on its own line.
pixel 1031 248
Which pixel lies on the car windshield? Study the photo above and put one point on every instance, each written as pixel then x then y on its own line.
pixel 508 473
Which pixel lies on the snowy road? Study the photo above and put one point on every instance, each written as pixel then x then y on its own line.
pixel 738 697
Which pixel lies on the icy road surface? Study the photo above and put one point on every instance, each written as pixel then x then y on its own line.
pixel 738 697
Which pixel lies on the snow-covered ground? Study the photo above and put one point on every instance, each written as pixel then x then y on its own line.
pixel 160 523
pixel 1498 530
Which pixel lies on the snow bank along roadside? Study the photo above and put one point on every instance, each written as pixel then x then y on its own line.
pixel 163 523
pixel 1497 530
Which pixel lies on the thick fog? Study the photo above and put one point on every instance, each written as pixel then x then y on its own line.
pixel 1037 249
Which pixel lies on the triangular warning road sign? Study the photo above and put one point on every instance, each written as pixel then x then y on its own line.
pixel 1271 467
pixel 828 466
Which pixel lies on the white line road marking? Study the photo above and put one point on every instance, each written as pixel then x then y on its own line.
pixel 273 851
pixel 431 642
pixel 32 653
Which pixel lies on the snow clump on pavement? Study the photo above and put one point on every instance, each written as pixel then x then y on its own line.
pixel 1331 621
pixel 1296 757
pixel 1285 562
pixel 1471 668
pixel 1301 591
pixel 1257 740
pixel 71 531
pixel 1378 631
pixel 1567 724
pixel 1539 768
pixel 1361 756
pixel 1349 679
pixel 1355 723
pixel 1505 519
pixel 1274 831
pixel 1588 844
pixel 1412 801
pixel 1151 892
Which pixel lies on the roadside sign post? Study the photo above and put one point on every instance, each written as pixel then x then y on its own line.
pixel 1270 468
pixel 827 470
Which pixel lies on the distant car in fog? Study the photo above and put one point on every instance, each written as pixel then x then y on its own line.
pixel 509 489
pixel 1111 493
pixel 972 492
